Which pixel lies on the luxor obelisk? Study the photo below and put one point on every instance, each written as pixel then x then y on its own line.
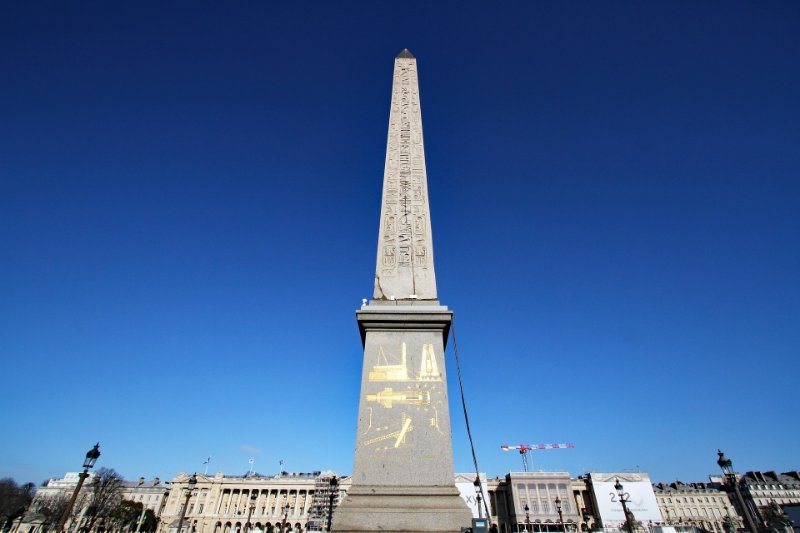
pixel 403 471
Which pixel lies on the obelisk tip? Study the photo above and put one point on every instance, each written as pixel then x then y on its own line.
pixel 405 54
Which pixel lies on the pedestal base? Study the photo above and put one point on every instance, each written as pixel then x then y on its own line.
pixel 401 510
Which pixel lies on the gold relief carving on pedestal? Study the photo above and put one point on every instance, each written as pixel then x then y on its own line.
pixel 388 397
pixel 417 393
pixel 395 436
pixel 387 372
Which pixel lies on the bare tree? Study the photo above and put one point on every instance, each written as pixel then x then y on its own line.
pixel 51 508
pixel 126 516
pixel 14 499
pixel 105 494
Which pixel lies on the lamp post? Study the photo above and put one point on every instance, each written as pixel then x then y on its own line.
pixel 250 510
pixel 334 488
pixel 586 517
pixel 623 499
pixel 140 520
pixel 285 513
pixel 560 516
pixel 727 468
pixel 192 483
pixel 527 517
pixel 91 458
pixel 477 485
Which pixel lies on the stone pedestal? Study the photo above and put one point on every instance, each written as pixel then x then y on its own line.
pixel 403 477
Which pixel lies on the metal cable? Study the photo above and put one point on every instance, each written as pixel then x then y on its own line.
pixel 466 419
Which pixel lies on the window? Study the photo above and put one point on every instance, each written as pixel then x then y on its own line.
pixel 535 507
pixel 200 508
pixel 545 507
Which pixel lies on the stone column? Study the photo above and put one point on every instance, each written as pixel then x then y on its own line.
pixel 403 478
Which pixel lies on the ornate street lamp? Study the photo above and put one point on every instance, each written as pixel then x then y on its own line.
pixel 250 510
pixel 285 513
pixel 727 469
pixel 477 485
pixel 192 483
pixel 560 516
pixel 334 489
pixel 624 499
pixel 527 518
pixel 91 458
pixel 586 516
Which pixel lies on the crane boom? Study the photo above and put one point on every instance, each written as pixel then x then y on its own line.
pixel 525 448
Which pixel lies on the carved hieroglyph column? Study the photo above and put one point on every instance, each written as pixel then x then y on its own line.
pixel 403 477
pixel 405 248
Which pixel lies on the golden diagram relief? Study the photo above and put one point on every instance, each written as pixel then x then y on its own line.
pixel 416 392
pixel 428 368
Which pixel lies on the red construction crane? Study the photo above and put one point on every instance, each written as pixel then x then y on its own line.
pixel 525 448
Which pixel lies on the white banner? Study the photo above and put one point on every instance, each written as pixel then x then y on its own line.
pixel 641 500
pixel 469 495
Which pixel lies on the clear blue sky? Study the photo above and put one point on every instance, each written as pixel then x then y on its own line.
pixel 189 202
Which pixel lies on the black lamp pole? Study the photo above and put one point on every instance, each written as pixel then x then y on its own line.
pixel 560 516
pixel 250 510
pixel 285 515
pixel 727 468
pixel 477 485
pixel 623 499
pixel 192 483
pixel 334 488
pixel 527 517
pixel 91 458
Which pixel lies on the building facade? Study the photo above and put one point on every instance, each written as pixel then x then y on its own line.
pixel 151 494
pixel 701 505
pixel 251 504
pixel 760 489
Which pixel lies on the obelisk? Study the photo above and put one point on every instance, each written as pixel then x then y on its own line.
pixel 403 477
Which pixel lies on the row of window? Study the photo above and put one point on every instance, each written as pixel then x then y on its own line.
pixel 691 500
pixel 544 506
pixel 150 498
pixel 694 511
pixel 274 511
pixel 772 487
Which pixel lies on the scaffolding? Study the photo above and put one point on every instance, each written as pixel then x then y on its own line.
pixel 321 502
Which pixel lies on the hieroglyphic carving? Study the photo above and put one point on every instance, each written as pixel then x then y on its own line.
pixel 405 252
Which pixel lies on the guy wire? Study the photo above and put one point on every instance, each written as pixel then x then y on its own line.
pixel 466 419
